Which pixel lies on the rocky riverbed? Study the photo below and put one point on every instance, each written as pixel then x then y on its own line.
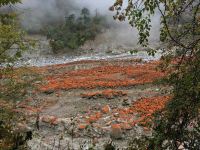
pixel 45 60
pixel 92 103
pixel 42 55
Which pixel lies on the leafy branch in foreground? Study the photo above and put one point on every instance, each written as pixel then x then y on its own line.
pixel 177 125
pixel 13 83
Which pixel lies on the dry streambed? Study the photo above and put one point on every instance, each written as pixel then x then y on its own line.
pixel 89 103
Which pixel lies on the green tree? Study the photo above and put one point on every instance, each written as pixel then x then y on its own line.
pixel 75 31
pixel 86 15
pixel 179 123
pixel 8 2
pixel 12 89
pixel 11 37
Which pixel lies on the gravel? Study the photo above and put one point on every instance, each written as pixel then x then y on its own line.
pixel 52 60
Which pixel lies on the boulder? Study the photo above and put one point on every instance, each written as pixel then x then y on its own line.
pixel 116 131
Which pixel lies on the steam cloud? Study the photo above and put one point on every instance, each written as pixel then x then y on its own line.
pixel 39 13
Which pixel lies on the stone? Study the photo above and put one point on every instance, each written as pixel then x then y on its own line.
pixel 126 126
pixel 106 129
pixel 96 125
pixel 181 147
pixel 58 95
pixel 38 82
pixel 50 119
pixel 116 114
pixel 98 114
pixel 92 119
pixel 107 118
pixel 146 129
pixel 106 109
pixel 108 123
pixel 65 120
pixel 116 131
pixel 20 127
pixel 157 89
pixel 54 121
pixel 82 126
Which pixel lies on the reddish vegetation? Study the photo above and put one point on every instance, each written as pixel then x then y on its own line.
pixel 147 106
pixel 105 76
pixel 126 117
pixel 109 94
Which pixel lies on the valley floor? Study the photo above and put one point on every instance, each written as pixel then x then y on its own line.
pixel 91 103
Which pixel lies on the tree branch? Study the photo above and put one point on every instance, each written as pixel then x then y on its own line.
pixel 168 31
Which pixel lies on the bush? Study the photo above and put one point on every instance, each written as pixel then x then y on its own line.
pixel 179 123
pixel 75 31
pixel 13 87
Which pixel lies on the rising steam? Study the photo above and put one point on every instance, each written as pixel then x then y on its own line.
pixel 39 13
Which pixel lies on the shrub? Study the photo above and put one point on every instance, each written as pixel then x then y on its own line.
pixel 75 31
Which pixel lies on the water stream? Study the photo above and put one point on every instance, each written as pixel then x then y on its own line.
pixel 52 60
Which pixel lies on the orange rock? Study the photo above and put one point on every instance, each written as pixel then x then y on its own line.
pixel 98 115
pixel 82 126
pixel 92 119
pixel 106 109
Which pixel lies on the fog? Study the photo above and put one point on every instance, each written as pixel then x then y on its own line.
pixel 38 13
pixel 35 14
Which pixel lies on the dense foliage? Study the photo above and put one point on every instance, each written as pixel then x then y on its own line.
pixel 179 122
pixel 7 2
pixel 75 31
pixel 12 42
pixel 13 84
pixel 178 125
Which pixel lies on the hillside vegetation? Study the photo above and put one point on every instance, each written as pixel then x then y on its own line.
pixel 75 31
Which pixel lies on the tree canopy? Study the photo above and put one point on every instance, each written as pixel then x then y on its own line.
pixel 12 44
pixel 179 123
pixel 179 19
pixel 11 36
pixel 75 31
pixel 7 2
